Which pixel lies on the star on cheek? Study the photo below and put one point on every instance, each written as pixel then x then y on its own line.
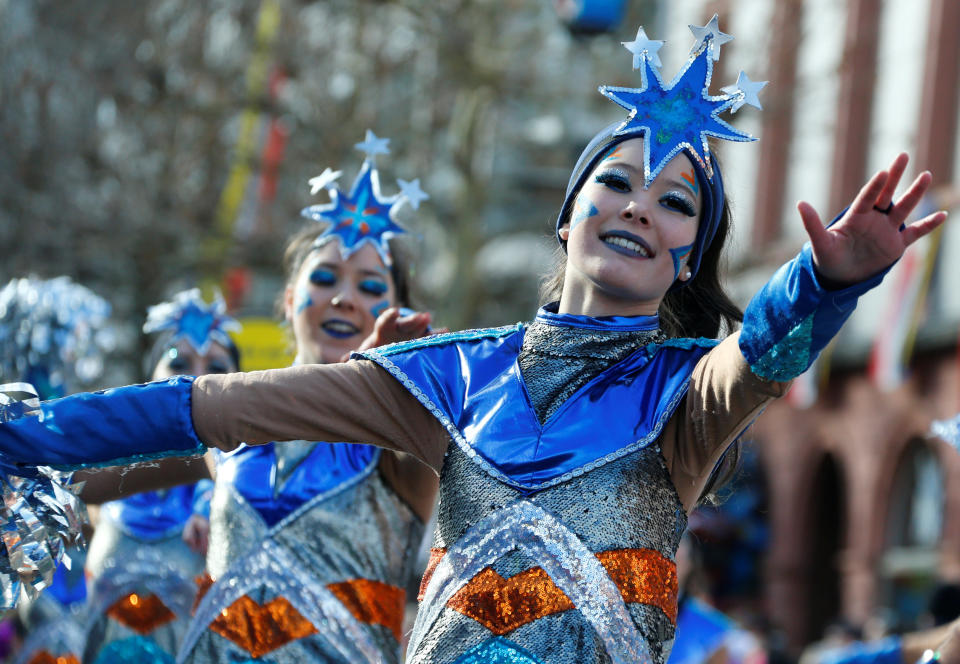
pixel 379 308
pixel 680 256
pixel 583 209
pixel 303 300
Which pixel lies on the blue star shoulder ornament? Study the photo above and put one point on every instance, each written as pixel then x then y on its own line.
pixel 681 115
pixel 364 215
pixel 190 318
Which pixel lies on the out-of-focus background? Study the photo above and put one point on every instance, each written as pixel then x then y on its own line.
pixel 149 146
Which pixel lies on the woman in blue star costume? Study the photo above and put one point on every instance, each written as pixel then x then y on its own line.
pixel 148 547
pixel 311 545
pixel 570 449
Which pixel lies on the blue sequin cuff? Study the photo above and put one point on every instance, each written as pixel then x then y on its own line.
pixel 793 317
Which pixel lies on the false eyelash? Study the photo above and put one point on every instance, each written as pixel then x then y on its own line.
pixel 614 178
pixel 678 202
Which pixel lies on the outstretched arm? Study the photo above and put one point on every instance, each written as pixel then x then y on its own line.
pixel 872 234
pixel 793 317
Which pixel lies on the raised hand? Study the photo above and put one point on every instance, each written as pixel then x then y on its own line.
pixel 391 327
pixel 871 234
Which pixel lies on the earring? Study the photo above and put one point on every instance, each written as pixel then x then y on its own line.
pixel 688 274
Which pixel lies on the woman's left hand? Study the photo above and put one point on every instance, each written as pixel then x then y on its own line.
pixel 871 235
pixel 391 327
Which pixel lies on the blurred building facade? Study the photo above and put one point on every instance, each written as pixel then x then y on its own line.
pixel 864 505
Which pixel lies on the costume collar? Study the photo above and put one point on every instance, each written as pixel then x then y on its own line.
pixel 548 315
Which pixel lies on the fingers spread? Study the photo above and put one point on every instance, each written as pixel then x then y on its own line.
pixel 811 222
pixel 894 174
pixel 925 226
pixel 868 194
pixel 911 197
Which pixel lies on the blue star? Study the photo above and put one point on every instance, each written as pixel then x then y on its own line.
pixel 680 115
pixel 192 319
pixel 412 192
pixel 373 146
pixel 710 32
pixel 641 45
pixel 360 217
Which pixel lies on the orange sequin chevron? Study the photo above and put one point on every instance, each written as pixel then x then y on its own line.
pixel 373 602
pixel 262 628
pixel 44 657
pixel 141 613
pixel 501 605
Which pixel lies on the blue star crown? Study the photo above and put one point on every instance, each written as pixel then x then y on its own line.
pixel 683 114
pixel 363 216
pixel 190 318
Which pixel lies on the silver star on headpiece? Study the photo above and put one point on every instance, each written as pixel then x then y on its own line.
pixel 747 91
pixel 412 192
pixel 708 31
pixel 324 180
pixel 373 146
pixel 642 45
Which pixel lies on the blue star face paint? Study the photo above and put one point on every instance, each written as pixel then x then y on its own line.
pixel 582 210
pixel 680 256
pixel 303 301
pixel 379 308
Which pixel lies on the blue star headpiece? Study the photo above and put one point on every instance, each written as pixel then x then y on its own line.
pixel 683 114
pixel 363 216
pixel 190 318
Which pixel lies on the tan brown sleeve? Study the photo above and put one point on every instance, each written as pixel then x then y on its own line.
pixel 353 402
pixel 723 399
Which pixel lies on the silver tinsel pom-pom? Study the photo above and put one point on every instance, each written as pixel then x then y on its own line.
pixel 40 514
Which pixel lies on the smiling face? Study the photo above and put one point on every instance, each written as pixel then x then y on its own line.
pixel 181 358
pixel 627 245
pixel 333 303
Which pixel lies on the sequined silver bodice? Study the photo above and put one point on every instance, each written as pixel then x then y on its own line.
pixel 550 570
pixel 337 565
pixel 557 361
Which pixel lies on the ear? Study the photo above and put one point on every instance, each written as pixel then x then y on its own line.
pixel 685 274
pixel 288 303
pixel 564 232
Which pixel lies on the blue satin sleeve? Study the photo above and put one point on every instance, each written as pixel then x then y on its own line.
pixel 114 427
pixel 794 316
pixel 884 651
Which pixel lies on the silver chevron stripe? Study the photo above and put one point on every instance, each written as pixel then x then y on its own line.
pixel 562 555
pixel 273 565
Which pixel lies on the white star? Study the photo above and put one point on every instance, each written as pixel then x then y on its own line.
pixel 413 193
pixel 710 30
pixel 373 145
pixel 642 45
pixel 323 180
pixel 747 90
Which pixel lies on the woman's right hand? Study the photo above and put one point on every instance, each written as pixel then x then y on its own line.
pixel 392 327
pixel 196 534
